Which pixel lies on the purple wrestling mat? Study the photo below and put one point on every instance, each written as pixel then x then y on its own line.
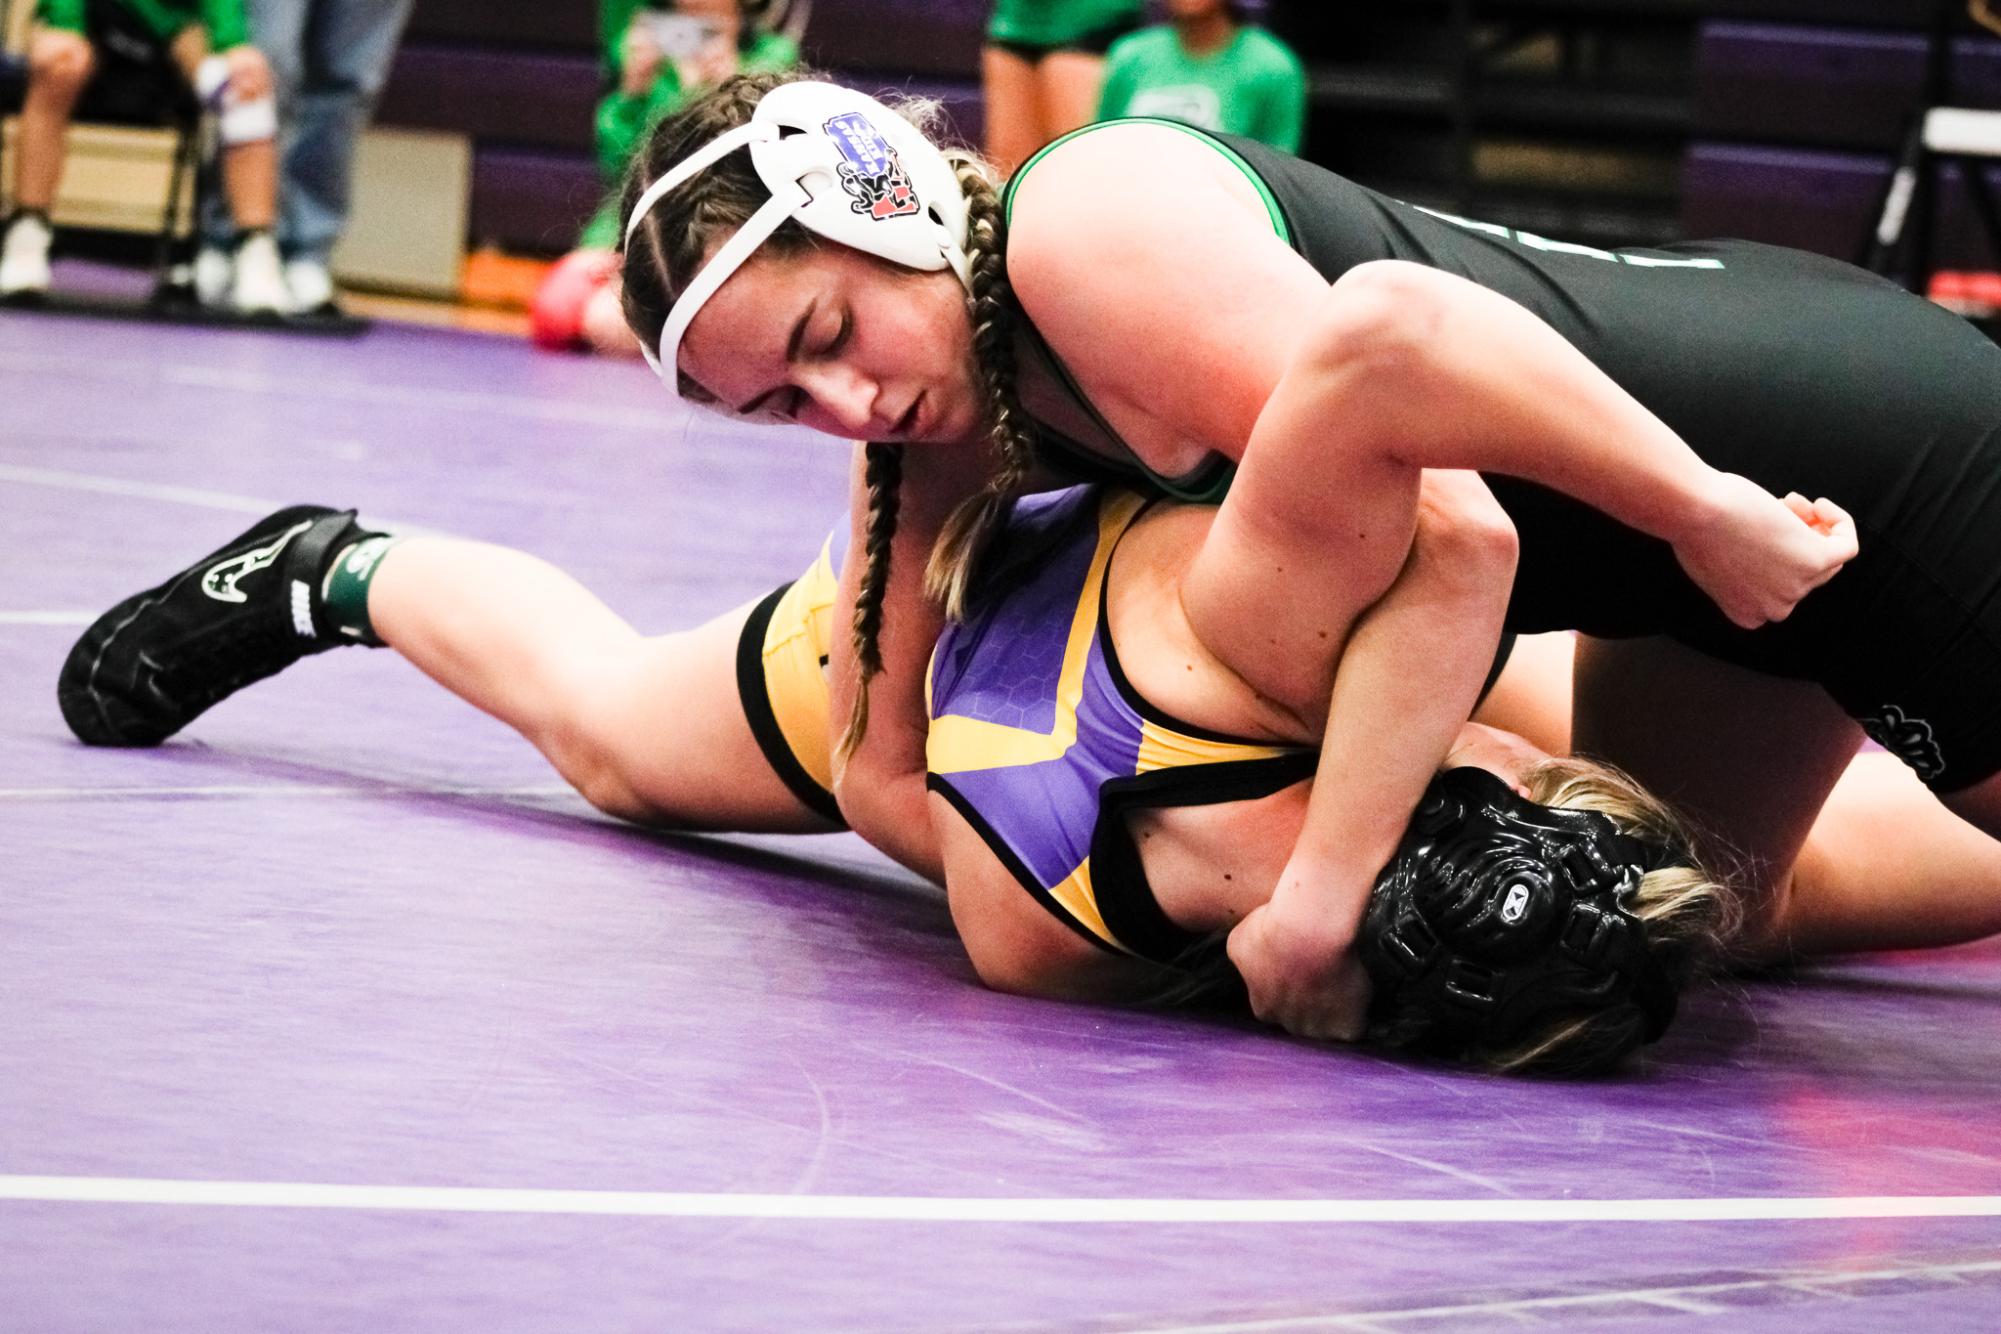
pixel 339 1013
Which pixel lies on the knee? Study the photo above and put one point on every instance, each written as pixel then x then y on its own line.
pixel 592 759
pixel 594 750
pixel 60 61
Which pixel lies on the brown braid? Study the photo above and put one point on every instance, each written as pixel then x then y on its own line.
pixel 670 247
pixel 884 478
pixel 974 524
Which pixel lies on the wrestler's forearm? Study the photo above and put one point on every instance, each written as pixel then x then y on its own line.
pixel 1390 726
pixel 1438 372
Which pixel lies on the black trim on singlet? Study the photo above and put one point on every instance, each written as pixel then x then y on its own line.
pixel 999 846
pixel 755 692
pixel 1126 900
pixel 1118 875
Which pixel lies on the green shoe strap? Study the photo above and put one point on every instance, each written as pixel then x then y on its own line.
pixel 344 593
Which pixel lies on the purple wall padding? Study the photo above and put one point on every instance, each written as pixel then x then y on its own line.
pixel 935 37
pixel 1819 201
pixel 560 24
pixel 1815 200
pixel 533 201
pixel 1840 87
pixel 514 97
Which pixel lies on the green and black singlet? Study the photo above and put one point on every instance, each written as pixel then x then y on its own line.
pixel 1799 372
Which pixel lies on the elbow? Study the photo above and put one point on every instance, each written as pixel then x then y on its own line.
pixel 1463 532
pixel 1488 542
pixel 876 799
pixel 1382 317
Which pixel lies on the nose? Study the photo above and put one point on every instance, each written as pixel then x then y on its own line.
pixel 843 394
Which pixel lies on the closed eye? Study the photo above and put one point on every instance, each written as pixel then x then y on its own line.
pixel 840 336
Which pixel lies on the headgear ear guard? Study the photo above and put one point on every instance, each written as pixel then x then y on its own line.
pixel 1497 912
pixel 847 168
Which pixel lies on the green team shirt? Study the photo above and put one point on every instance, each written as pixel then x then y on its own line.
pixel 165 19
pixel 1058 23
pixel 1254 87
pixel 622 121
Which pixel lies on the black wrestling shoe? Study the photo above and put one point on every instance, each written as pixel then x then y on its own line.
pixel 151 665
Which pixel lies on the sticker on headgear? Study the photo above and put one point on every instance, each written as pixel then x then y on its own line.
pixel 872 172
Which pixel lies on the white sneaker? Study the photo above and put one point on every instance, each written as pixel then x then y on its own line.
pixel 312 287
pixel 214 272
pixel 24 257
pixel 258 287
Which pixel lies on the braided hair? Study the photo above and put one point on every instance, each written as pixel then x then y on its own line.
pixel 674 238
pixel 669 249
pixel 973 526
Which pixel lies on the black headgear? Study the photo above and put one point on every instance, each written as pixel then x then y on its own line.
pixel 1497 912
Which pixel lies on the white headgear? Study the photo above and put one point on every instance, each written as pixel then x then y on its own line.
pixel 848 168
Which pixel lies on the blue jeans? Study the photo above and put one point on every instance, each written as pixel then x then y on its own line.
pixel 330 59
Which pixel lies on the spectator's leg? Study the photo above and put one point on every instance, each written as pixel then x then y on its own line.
pixel 59 65
pixel 278 29
pixel 1013 107
pixel 1067 87
pixel 249 168
pixel 248 128
pixel 348 47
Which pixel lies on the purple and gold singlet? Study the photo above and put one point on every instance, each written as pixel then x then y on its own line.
pixel 1038 740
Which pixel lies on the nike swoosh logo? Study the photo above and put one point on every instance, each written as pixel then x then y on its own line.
pixel 223 577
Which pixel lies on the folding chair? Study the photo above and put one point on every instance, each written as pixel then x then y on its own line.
pixel 1938 133
pixel 134 86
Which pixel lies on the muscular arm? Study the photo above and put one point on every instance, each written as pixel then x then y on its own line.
pixel 1390 726
pixel 1335 399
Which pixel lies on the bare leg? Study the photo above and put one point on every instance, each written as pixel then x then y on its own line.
pixel 1014 113
pixel 650 730
pixel 1888 866
pixel 249 171
pixel 1749 759
pixel 60 65
pixel 1981 804
pixel 1068 84
pixel 1844 851
pixel 250 179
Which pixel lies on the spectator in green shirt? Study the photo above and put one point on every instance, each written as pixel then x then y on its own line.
pixel 1209 69
pixel 208 40
pixel 657 57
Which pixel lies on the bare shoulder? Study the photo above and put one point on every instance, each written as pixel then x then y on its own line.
pixel 1149 263
pixel 1115 191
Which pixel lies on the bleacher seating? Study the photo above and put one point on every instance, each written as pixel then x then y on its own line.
pixel 1797 124
pixel 522 82
pixel 1561 117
